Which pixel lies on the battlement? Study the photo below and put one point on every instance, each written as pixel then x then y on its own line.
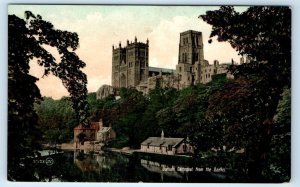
pixel 130 44
pixel 190 32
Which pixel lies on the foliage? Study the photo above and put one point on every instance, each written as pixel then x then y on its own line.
pixel 22 92
pixel 56 116
pixel 131 107
pixel 251 112
pixel 27 41
pixel 263 34
pixel 280 152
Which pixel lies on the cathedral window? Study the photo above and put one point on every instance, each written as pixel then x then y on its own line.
pixel 196 57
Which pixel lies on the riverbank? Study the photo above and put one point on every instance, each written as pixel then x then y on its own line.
pixel 67 146
pixel 91 147
pixel 124 150
pixel 88 146
pixel 97 147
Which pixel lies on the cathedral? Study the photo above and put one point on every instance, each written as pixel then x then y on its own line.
pixel 130 66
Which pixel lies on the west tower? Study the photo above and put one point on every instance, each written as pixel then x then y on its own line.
pixel 130 64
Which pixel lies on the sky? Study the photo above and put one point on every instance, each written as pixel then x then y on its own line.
pixel 100 27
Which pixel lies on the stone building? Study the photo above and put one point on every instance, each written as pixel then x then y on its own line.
pixel 168 146
pixel 130 67
pixel 95 132
pixel 130 64
pixel 105 134
pixel 88 131
pixel 192 68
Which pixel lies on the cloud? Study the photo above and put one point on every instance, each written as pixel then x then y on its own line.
pixel 98 30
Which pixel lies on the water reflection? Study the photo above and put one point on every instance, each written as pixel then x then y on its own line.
pixel 92 162
pixel 162 169
pixel 114 167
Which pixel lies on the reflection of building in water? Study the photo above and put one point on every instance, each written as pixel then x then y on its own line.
pixel 86 163
pixel 163 169
pixel 92 162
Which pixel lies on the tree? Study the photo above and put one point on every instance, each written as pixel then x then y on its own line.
pixel 264 35
pixel 56 115
pixel 132 106
pixel 280 162
pixel 190 111
pixel 26 42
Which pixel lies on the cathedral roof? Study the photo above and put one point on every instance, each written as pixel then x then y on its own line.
pixel 163 70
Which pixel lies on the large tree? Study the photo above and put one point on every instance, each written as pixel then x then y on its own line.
pixel 29 40
pixel 263 34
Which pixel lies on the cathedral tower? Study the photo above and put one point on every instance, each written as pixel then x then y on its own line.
pixel 190 57
pixel 130 64
pixel 190 47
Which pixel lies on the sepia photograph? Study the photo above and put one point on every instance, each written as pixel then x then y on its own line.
pixel 149 93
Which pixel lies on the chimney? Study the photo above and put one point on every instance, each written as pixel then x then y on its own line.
pixel 162 136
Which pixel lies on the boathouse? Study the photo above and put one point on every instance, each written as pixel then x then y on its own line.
pixel 168 146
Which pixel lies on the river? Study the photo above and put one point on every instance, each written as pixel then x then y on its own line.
pixel 78 166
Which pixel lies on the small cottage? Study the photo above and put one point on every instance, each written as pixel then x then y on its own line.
pixel 169 146
pixel 105 134
pixel 95 132
pixel 88 132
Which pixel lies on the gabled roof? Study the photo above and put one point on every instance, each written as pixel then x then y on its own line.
pixel 164 142
pixel 92 126
pixel 104 129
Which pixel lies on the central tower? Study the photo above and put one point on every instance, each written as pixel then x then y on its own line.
pixel 190 47
pixel 190 58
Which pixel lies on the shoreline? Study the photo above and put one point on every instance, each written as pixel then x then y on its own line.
pixel 98 148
